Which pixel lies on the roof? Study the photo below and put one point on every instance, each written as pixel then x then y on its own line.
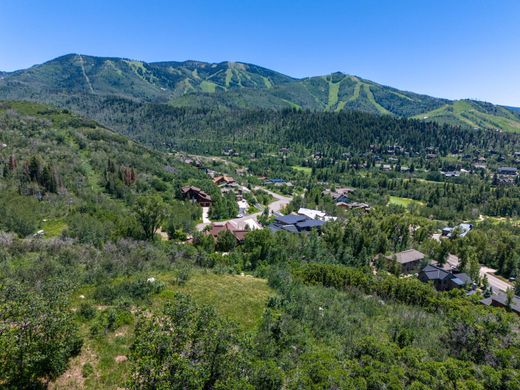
pixel 218 227
pixel 190 188
pixel 290 219
pixel 507 170
pixel 201 193
pixel 408 256
pixel 227 179
pixel 314 214
pixel 247 224
pixel 464 277
pixel 274 227
pixel 309 223
pixel 290 228
pixel 240 235
pixel 435 273
pixel 464 229
pixel 501 298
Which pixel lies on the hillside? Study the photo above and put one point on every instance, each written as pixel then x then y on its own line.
pixel 60 171
pixel 91 300
pixel 212 130
pixel 231 85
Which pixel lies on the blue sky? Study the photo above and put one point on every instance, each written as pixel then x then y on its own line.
pixel 453 49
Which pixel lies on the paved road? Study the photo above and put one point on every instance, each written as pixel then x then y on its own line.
pixel 495 283
pixel 279 202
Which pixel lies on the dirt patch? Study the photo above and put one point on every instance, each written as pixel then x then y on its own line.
pixel 73 377
pixel 120 359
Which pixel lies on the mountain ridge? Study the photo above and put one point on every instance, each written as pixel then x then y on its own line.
pixel 240 85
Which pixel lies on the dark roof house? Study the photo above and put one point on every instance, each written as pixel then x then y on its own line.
pixel 443 280
pixel 295 223
pixel 500 300
pixel 508 171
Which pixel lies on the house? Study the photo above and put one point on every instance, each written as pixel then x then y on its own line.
pixel 463 229
pixel 442 279
pixel 218 227
pixel 507 171
pixel 295 223
pixel 340 195
pixel 450 173
pixel 500 300
pixel 409 260
pixel 480 165
pixel 354 206
pixel 315 214
pixel 275 181
pixel 195 194
pixel 224 181
pixel 230 152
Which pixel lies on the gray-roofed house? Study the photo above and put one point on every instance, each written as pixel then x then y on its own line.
pixel 409 260
pixel 500 300
pixel 508 171
pixel 295 223
pixel 443 280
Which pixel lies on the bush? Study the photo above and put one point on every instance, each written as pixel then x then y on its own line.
pixel 87 311
pixel 183 273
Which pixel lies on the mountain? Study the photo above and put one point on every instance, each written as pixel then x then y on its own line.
pixel 157 82
pixel 516 109
pixel 231 85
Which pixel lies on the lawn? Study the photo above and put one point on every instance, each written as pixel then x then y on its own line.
pixel 53 227
pixel 306 170
pixel 405 202
pixel 238 298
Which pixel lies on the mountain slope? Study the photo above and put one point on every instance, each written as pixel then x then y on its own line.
pixel 79 74
pixel 230 85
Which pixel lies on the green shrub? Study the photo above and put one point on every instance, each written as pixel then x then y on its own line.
pixel 87 370
pixel 87 311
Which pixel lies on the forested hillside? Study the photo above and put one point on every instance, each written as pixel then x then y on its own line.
pixel 212 130
pixel 59 171
pixel 233 85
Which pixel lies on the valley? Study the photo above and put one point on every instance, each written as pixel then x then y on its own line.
pixel 224 245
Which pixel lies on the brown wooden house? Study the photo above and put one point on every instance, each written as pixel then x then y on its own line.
pixel 195 194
